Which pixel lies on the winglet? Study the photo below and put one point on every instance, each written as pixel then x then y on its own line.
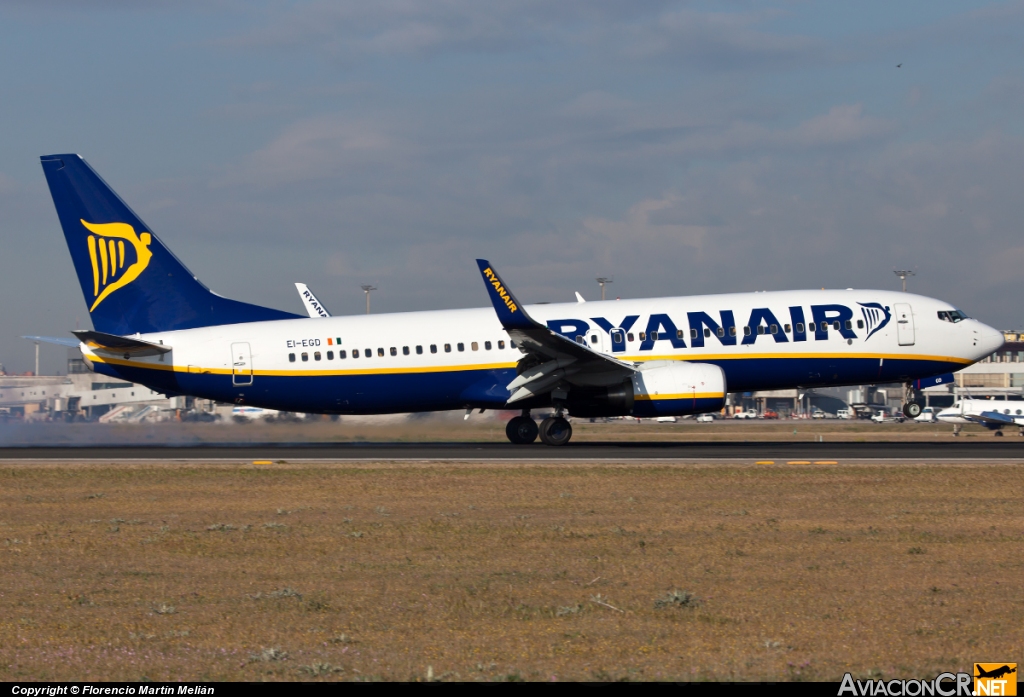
pixel 510 312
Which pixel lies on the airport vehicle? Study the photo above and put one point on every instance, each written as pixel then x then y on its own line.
pixel 844 414
pixel 990 413
pixel 927 415
pixel 884 416
pixel 705 418
pixel 746 414
pixel 156 324
pixel 770 414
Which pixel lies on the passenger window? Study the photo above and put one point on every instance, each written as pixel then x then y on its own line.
pixel 849 324
pixel 760 329
pixel 487 345
pixel 511 344
pixel 593 340
pixel 799 327
pixel 305 357
pixel 707 333
pixel 341 354
pixel 405 350
pixel 860 324
pixel 580 340
pixel 787 329
pixel 447 348
pixel 475 346
pixel 433 348
pixel 419 350
pixel 291 357
pixel 501 344
pixel 835 325
pixel 355 353
pixel 679 333
pixel 643 336
pixel 380 352
pixel 330 355
pixel 721 331
pixel 824 326
pixel 316 355
pixel 394 351
pixel 746 331
pixel 629 337
pixel 693 333
pixel 732 331
pixel 775 329
pixel 461 346
pixel 367 353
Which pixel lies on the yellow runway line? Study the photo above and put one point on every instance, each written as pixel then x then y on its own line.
pixel 799 462
pixel 262 462
pixel 765 462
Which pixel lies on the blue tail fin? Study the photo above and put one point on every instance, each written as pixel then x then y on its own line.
pixel 131 281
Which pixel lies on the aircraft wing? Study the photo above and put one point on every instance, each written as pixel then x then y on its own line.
pixel 991 419
pixel 58 340
pixel 314 307
pixel 119 344
pixel 559 358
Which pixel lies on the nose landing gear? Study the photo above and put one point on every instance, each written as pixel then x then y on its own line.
pixel 911 407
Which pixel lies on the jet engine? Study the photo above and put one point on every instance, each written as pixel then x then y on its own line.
pixel 660 388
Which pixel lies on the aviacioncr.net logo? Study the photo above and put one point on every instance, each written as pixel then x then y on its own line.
pixel 108 254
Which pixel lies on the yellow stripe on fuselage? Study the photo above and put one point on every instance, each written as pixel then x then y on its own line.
pixel 498 366
pixel 682 395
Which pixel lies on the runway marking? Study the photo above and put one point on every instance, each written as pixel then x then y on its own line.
pixel 262 462
pixel 574 462
pixel 765 462
pixel 799 462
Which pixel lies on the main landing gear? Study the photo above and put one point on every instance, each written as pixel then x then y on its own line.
pixel 911 405
pixel 554 430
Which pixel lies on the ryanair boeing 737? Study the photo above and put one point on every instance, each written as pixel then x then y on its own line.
pixel 157 325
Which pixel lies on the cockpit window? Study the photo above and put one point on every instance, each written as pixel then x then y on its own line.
pixel 953 316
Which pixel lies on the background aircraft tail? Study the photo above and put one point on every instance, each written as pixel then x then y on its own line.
pixel 131 281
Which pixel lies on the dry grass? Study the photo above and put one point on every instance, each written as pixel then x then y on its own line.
pixel 500 572
pixel 489 427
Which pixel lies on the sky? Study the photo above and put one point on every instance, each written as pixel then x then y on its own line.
pixel 678 147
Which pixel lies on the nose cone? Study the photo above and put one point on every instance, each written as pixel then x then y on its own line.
pixel 988 340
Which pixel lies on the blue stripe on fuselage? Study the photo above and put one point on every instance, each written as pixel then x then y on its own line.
pixel 435 391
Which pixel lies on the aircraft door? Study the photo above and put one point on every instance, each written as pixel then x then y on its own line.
pixel 904 324
pixel 241 364
pixel 617 337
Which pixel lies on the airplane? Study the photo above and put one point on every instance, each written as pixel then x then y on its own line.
pixel 992 414
pixel 156 324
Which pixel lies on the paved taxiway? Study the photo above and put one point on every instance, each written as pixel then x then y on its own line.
pixel 1008 449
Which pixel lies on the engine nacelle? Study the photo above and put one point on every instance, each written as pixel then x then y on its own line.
pixel 677 388
pixel 661 388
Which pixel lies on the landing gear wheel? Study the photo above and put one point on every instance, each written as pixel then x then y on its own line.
pixel 998 434
pixel 521 430
pixel 912 410
pixel 555 431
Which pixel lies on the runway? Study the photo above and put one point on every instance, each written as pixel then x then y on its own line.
pixel 1008 449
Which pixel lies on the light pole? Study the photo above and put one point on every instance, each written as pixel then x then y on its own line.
pixel 602 280
pixel 903 273
pixel 366 289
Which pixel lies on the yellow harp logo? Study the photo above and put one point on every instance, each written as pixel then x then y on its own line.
pixel 107 254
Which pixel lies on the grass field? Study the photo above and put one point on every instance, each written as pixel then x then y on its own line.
pixel 489 427
pixel 507 572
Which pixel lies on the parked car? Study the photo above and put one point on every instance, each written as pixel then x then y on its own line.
pixel 705 418
pixel 745 414
pixel 817 414
pixel 844 414
pixel 927 415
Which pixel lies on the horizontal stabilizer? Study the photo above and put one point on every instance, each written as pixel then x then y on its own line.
pixel 119 344
pixel 58 340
